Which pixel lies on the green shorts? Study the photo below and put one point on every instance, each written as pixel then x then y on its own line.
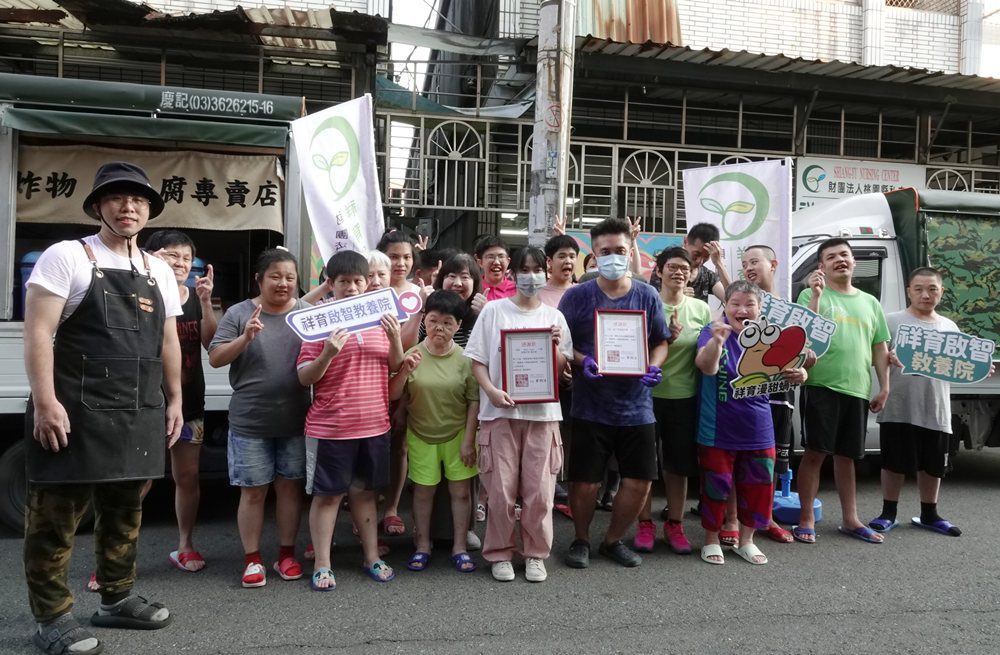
pixel 425 460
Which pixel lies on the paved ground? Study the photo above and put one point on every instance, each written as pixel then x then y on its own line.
pixel 918 593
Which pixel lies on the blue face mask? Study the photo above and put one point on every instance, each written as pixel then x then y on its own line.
pixel 612 267
pixel 530 283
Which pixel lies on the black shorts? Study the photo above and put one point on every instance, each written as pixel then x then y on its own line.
pixel 910 448
pixel 334 465
pixel 676 431
pixel 832 422
pixel 634 446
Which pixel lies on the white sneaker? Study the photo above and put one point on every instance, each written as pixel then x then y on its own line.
pixel 534 570
pixel 472 542
pixel 503 571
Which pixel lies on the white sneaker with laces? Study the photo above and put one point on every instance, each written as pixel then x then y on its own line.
pixel 503 571
pixel 534 570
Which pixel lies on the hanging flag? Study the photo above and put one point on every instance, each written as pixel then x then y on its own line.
pixel 751 204
pixel 336 153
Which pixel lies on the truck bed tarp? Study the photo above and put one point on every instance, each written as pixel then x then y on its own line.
pixel 45 121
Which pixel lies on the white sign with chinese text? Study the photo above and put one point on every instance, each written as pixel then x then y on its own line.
pixel 336 154
pixel 200 190
pixel 751 204
pixel 818 181
pixel 949 356
pixel 353 314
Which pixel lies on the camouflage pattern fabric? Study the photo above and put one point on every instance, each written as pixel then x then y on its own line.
pixel 964 249
pixel 53 513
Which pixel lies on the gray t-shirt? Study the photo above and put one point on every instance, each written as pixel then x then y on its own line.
pixel 914 399
pixel 268 400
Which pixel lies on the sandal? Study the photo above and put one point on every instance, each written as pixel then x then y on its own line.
pixel 288 568
pixel 320 575
pixel 393 526
pixel 463 563
pixel 379 571
pixel 480 512
pixel 61 634
pixel 418 561
pixel 779 534
pixel 751 553
pixel 92 585
pixel 708 551
pixel 133 613
pixel 181 561
pixel 729 538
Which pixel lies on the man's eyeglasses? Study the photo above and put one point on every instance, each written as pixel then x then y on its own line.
pixel 121 200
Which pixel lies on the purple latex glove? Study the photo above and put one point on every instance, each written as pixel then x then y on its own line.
pixel 652 377
pixel 590 369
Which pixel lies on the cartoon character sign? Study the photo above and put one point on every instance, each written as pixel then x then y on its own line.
pixel 768 350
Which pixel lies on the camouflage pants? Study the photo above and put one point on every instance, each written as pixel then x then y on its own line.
pixel 52 517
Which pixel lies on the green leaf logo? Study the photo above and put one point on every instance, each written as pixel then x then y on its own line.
pixel 759 207
pixel 342 133
pixel 712 205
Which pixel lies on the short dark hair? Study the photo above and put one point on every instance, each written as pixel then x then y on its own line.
pixel 675 252
pixel 446 301
pixel 487 242
pixel 430 257
pixel 768 250
pixel 558 242
pixel 704 232
pixel 522 254
pixel 165 238
pixel 832 243
pixel 269 257
pixel 393 236
pixel 610 226
pixel 456 264
pixel 346 262
pixel 924 270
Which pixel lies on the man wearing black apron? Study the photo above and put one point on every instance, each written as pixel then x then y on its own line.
pixel 104 392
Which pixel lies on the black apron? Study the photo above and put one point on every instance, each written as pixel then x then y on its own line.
pixel 108 376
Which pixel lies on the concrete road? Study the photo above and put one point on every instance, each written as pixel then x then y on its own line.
pixel 919 592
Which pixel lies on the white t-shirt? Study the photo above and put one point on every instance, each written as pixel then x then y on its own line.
pixel 915 399
pixel 64 270
pixel 484 347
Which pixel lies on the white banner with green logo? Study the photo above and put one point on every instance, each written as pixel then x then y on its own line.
pixel 819 181
pixel 336 153
pixel 751 204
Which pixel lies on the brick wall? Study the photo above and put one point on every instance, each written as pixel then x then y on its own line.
pixel 820 29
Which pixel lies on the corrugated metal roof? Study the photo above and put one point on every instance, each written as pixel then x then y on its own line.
pixel 68 21
pixel 633 21
pixel 591 44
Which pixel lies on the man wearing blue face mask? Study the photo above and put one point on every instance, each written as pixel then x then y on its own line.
pixel 611 415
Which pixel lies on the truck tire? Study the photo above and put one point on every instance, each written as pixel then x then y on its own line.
pixel 13 487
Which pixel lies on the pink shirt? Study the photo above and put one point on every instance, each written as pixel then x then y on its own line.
pixel 505 289
pixel 351 400
pixel 552 295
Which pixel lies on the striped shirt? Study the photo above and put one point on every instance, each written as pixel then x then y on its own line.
pixel 351 400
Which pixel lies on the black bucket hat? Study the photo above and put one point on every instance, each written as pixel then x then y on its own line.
pixel 120 174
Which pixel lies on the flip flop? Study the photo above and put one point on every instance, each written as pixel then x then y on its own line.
pixel 418 561
pixel 800 534
pixel 940 526
pixel 729 538
pixel 393 526
pixel 463 563
pixel 319 574
pixel 180 560
pixel 882 525
pixel 864 533
pixel 779 534
pixel 749 552
pixel 375 571
pixel 712 550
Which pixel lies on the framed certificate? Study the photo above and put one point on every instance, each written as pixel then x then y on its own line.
pixel 620 342
pixel 529 365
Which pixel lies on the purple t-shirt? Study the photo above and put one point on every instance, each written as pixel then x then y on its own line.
pixel 723 422
pixel 611 400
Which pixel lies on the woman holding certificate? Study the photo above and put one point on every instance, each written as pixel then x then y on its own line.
pixel 517 348
pixel 735 434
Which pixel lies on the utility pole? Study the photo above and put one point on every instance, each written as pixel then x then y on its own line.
pixel 553 104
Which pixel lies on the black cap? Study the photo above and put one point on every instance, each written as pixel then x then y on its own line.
pixel 121 174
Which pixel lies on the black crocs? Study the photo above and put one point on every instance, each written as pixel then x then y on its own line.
pixel 57 637
pixel 133 613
